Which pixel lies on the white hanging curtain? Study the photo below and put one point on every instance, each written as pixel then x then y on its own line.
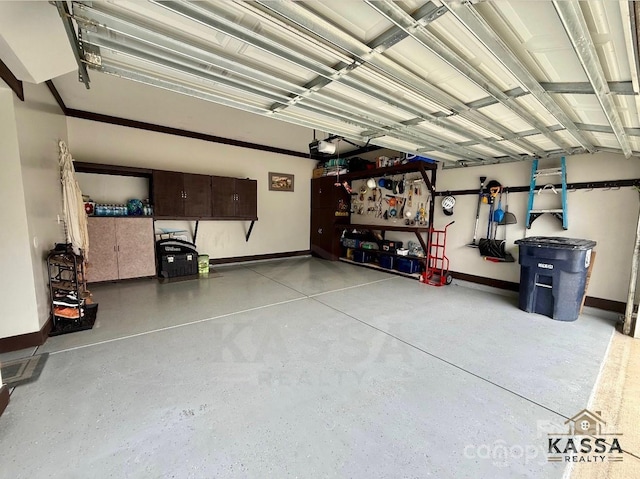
pixel 75 216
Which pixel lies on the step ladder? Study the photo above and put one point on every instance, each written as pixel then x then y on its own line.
pixel 560 213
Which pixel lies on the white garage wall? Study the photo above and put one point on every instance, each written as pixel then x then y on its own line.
pixel 23 289
pixel 40 125
pixel 113 189
pixel 284 217
pixel 607 217
pixel 17 291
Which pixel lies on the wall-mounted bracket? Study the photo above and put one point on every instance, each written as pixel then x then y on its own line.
pixel 250 229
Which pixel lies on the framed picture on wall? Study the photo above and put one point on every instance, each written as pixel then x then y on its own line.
pixel 280 182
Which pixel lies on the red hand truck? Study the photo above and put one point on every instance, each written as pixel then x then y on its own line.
pixel 437 272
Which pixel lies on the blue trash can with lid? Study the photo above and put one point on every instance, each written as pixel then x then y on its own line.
pixel 553 274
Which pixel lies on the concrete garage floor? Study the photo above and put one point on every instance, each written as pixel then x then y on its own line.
pixel 302 368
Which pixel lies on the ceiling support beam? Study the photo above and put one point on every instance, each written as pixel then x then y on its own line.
pixel 475 24
pixel 491 100
pixel 607 129
pixel 11 80
pixel 586 88
pixel 578 32
pixel 76 46
pixel 564 88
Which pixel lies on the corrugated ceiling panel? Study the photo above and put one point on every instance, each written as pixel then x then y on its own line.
pixel 534 32
pixel 415 58
pixel 461 41
pixel 438 131
pixel 569 139
pixel 478 130
pixel 635 143
pixel 400 145
pixel 606 140
pixel 289 70
pixel 396 90
pixel 535 108
pixel 505 116
pixel 602 17
pixel 325 123
pixel 486 151
pixel 339 91
pixel 354 17
pixel 628 109
pixel 587 108
pixel 542 142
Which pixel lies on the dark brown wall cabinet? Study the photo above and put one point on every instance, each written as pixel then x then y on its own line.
pixel 234 198
pixel 181 194
pixel 327 209
pixel 185 195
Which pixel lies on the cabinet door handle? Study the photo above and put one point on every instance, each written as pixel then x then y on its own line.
pixel 319 230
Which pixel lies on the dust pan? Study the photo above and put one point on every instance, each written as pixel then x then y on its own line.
pixel 508 219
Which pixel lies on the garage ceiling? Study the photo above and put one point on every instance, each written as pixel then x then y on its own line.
pixel 461 82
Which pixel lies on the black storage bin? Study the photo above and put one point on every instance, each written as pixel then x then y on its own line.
pixel 553 274
pixel 176 258
pixel 390 245
pixel 175 265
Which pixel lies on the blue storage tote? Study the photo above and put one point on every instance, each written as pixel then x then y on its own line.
pixel 386 261
pixel 407 265
pixel 360 256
